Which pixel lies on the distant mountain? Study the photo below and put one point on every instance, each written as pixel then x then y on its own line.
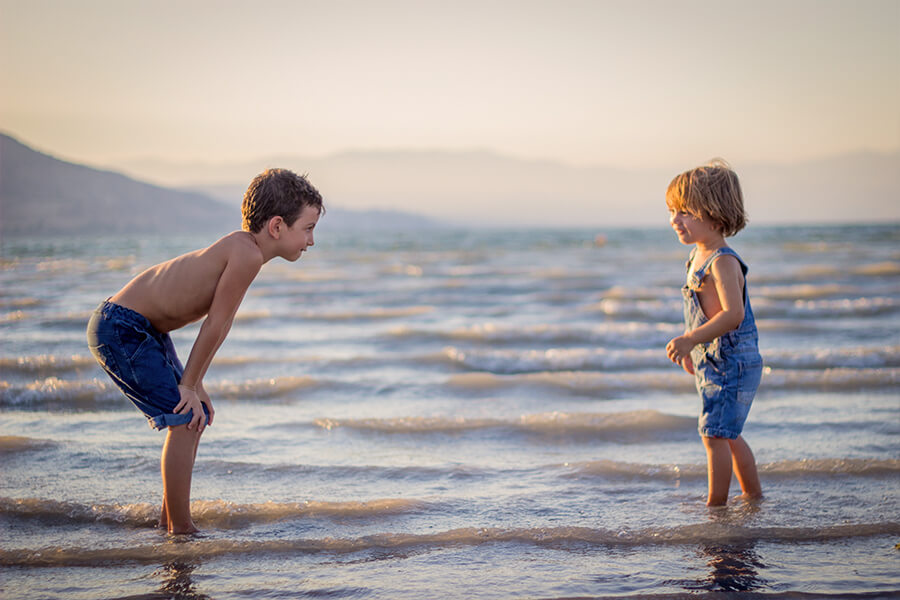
pixel 40 194
pixel 482 188
pixel 393 190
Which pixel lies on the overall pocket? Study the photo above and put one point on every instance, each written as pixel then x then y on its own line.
pixel 750 376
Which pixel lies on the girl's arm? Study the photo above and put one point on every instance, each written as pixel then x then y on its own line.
pixel 728 280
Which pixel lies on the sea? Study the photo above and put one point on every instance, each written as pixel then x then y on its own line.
pixel 454 413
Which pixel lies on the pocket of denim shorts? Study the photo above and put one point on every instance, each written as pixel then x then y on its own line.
pixel 131 340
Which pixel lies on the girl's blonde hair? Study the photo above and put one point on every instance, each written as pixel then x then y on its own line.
pixel 711 193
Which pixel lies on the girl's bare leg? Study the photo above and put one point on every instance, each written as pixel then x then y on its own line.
pixel 745 467
pixel 177 466
pixel 163 516
pixel 718 468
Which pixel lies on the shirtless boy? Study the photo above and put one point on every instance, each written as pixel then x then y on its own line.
pixel 129 333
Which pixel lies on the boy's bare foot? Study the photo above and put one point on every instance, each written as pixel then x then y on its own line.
pixel 183 530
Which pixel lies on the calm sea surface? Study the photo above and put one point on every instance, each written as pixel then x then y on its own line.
pixel 456 414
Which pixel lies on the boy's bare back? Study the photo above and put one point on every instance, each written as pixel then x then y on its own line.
pixel 210 281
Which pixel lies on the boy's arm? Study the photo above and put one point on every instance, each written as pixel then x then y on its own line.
pixel 238 274
pixel 726 272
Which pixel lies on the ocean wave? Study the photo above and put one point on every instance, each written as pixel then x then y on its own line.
pixel 636 334
pixel 558 538
pixel 217 514
pixel 797 291
pixel 67 320
pixel 861 467
pixel 831 379
pixel 670 311
pixel 53 392
pixel 834 308
pixel 556 359
pixel 881 269
pixel 603 468
pixel 46 364
pixel 675 380
pixel 260 389
pixel 10 444
pixel 827 273
pixel 354 472
pixel 248 316
pixel 19 302
pixel 14 316
pixel 577 381
pixel 772 289
pixel 64 265
pixel 845 307
pixel 595 424
pixel 602 359
pixel 832 358
pixel 372 314
pixel 653 310
pixel 92 394
pixel 618 292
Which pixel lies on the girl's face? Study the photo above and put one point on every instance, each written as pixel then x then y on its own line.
pixel 691 229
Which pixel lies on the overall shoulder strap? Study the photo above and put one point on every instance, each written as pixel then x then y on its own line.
pixel 701 272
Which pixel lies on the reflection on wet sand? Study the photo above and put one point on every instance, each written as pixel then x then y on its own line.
pixel 177 582
pixel 732 568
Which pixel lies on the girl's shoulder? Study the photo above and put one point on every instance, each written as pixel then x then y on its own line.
pixel 727 256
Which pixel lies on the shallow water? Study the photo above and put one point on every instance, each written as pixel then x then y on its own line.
pixel 460 414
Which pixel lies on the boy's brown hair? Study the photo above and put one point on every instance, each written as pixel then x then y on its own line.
pixel 710 193
pixel 277 193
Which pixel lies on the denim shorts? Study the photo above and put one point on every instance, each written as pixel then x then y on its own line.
pixel 140 360
pixel 726 388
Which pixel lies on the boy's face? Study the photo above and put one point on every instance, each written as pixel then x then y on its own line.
pixel 299 236
pixel 691 229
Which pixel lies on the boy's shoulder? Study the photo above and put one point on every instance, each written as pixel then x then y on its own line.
pixel 237 249
pixel 241 243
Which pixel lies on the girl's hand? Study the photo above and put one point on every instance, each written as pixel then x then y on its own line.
pixel 687 364
pixel 190 402
pixel 680 348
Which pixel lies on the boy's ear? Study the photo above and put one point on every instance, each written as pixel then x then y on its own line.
pixel 274 227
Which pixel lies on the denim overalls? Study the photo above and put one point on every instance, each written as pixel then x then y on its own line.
pixel 727 369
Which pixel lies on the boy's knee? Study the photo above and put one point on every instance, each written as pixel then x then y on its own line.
pixel 182 432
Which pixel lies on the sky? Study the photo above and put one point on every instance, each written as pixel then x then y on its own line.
pixel 626 84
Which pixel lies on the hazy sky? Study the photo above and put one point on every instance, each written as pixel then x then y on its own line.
pixel 620 83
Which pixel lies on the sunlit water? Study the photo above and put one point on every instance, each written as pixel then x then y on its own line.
pixel 460 415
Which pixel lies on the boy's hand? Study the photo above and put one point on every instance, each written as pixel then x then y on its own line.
pixel 204 398
pixel 190 401
pixel 680 348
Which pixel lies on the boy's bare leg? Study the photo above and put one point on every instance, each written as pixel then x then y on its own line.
pixel 177 466
pixel 745 468
pixel 164 513
pixel 718 468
